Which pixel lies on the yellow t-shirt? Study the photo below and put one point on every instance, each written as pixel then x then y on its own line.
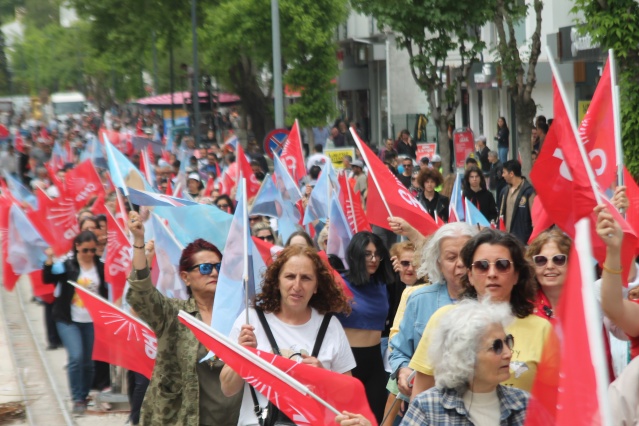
pixel 530 335
pixel 401 308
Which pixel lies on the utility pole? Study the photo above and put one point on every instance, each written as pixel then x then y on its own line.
pixel 195 98
pixel 277 65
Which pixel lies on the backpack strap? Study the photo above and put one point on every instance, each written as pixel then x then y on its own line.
pixel 267 330
pixel 320 334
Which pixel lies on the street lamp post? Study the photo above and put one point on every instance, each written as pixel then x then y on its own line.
pixel 277 65
pixel 195 98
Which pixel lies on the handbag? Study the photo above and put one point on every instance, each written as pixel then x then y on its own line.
pixel 271 415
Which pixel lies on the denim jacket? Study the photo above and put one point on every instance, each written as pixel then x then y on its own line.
pixel 419 308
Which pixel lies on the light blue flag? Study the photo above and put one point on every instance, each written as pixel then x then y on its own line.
pixel 189 223
pixel 92 150
pixel 230 293
pixel 474 216
pixel 284 182
pixel 19 191
pixel 167 253
pixel 269 202
pixel 27 246
pixel 123 172
pixel 456 198
pixel 144 198
pixel 318 203
pixel 339 231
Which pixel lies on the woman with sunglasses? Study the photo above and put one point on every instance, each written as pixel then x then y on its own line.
pixel 73 321
pixel 471 353
pixel 548 253
pixel 369 277
pixel 298 291
pixel 496 269
pixel 183 390
pixel 264 232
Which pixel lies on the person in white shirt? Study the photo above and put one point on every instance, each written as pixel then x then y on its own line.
pixel 317 158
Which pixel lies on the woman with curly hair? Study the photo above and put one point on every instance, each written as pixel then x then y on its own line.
pixel 497 269
pixel 435 203
pixel 298 293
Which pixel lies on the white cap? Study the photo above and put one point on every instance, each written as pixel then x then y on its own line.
pixel 436 159
pixel 195 176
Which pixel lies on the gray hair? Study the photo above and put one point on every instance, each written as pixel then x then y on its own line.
pixel 432 249
pixel 456 340
pixel 493 154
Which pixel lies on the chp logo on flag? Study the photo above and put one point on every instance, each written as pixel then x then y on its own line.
pixel 63 216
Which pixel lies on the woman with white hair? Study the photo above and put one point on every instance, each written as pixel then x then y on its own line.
pixel 444 268
pixel 471 355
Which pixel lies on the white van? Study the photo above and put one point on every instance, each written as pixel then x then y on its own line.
pixel 68 104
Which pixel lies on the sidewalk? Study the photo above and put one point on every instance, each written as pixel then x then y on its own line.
pixel 57 359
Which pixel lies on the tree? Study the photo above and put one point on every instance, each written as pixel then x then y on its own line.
pixel 432 31
pixel 614 24
pixel 5 76
pixel 520 79
pixel 238 45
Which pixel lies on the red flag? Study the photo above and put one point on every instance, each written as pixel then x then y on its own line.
pixel 40 289
pixel 120 339
pixel 210 186
pixel 597 132
pixel 351 202
pixel 19 142
pixel 565 392
pixel 244 167
pixel 118 260
pixel 169 188
pixel 540 219
pixel 146 167
pixel 399 199
pixel 56 221
pixel 559 174
pixel 286 382
pixel 336 275
pixel 292 155
pixel 83 183
pixel 632 192
pixel 9 278
pixel 266 250
pixel 99 207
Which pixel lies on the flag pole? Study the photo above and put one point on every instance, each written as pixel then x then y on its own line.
pixel 255 359
pixel 616 112
pixel 245 222
pixel 583 245
pixel 569 112
pixel 370 170
pixel 109 149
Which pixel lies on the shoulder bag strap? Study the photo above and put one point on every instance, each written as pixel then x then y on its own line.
pixel 267 330
pixel 320 334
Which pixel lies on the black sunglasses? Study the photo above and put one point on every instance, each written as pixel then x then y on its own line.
pixel 405 263
pixel 89 250
pixel 501 265
pixel 222 206
pixel 267 238
pixel 207 268
pixel 557 260
pixel 498 344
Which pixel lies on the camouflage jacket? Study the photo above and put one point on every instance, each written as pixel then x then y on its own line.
pixel 172 397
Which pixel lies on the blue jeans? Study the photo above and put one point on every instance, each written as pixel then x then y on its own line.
pixel 503 154
pixel 77 338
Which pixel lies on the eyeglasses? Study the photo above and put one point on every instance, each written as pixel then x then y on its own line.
pixel 207 268
pixel 501 265
pixel 88 250
pixel 498 344
pixel 370 256
pixel 223 206
pixel 255 219
pixel 405 263
pixel 557 260
pixel 267 238
pixel 408 165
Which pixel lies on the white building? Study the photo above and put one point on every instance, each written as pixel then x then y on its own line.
pixel 362 84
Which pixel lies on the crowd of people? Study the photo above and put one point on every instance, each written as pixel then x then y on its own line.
pixel 445 329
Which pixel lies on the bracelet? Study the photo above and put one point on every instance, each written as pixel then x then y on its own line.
pixel 612 271
pixel 138 247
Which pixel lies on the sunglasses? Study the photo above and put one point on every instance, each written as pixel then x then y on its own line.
pixel 267 238
pixel 498 344
pixel 557 260
pixel 405 263
pixel 207 268
pixel 501 265
pixel 222 206
pixel 88 250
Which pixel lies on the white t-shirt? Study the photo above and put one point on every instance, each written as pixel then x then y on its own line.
pixel 90 280
pixel 335 353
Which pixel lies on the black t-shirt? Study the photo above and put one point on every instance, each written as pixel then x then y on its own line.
pixel 404 179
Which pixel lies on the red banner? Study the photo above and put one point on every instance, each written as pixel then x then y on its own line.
pixel 464 143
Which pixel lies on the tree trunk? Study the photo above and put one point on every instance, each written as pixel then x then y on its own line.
pixel 525 111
